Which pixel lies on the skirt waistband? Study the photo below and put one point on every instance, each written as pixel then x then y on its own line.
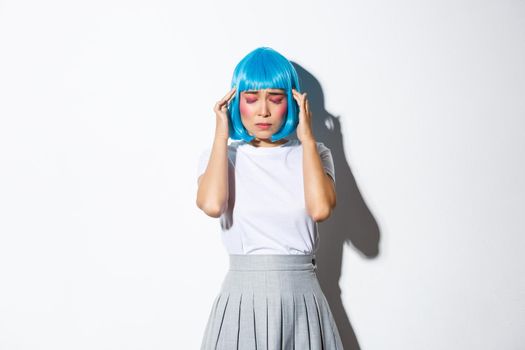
pixel 272 262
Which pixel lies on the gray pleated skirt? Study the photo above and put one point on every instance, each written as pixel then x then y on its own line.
pixel 271 302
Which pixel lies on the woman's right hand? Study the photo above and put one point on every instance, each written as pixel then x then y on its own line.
pixel 221 112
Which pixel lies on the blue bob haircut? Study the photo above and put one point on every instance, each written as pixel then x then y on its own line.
pixel 263 68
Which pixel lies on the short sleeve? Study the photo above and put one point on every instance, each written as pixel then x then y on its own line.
pixel 204 158
pixel 326 158
pixel 202 162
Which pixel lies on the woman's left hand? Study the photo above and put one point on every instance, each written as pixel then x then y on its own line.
pixel 304 128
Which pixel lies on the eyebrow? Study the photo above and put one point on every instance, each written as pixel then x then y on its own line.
pixel 255 92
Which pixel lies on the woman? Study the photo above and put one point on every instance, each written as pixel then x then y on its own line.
pixel 269 193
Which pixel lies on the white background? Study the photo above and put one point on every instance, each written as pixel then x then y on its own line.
pixel 105 106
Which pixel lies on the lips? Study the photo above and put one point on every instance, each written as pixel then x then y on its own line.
pixel 263 126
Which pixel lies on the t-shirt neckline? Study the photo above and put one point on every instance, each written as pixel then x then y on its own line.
pixel 265 150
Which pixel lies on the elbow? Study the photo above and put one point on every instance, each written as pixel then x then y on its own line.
pixel 321 214
pixel 213 210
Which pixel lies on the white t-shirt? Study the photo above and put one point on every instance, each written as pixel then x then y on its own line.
pixel 266 211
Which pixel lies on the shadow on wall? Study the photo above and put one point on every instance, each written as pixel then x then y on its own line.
pixel 351 221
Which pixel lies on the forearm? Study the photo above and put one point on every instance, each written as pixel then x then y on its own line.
pixel 212 194
pixel 318 189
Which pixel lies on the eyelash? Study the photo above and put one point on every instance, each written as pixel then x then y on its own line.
pixel 276 102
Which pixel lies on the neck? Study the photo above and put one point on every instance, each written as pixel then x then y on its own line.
pixel 257 142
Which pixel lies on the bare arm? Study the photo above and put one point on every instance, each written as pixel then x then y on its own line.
pixel 213 191
pixel 212 194
pixel 319 188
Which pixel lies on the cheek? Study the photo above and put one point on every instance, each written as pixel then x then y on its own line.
pixel 281 109
pixel 244 109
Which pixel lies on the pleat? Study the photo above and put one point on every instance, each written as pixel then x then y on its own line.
pixel 324 324
pixel 302 330
pixel 218 321
pixel 229 334
pixel 209 325
pixel 287 321
pixel 337 336
pixel 274 322
pixel 271 310
pixel 261 321
pixel 329 330
pixel 247 336
pixel 316 338
pixel 322 328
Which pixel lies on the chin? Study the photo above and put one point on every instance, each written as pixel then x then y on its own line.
pixel 263 135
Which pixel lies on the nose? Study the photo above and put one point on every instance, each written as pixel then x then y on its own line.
pixel 264 111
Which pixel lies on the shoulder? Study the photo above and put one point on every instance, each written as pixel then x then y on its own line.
pixel 232 148
pixel 321 147
pixel 234 145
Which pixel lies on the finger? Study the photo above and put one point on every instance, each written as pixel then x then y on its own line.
pixel 228 95
pixel 232 92
pixel 299 98
pixel 232 95
pixel 307 107
pixel 220 105
pixel 217 108
pixel 224 102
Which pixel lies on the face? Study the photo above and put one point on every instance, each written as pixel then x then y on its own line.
pixel 263 111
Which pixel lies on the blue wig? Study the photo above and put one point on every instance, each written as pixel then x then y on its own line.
pixel 263 68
